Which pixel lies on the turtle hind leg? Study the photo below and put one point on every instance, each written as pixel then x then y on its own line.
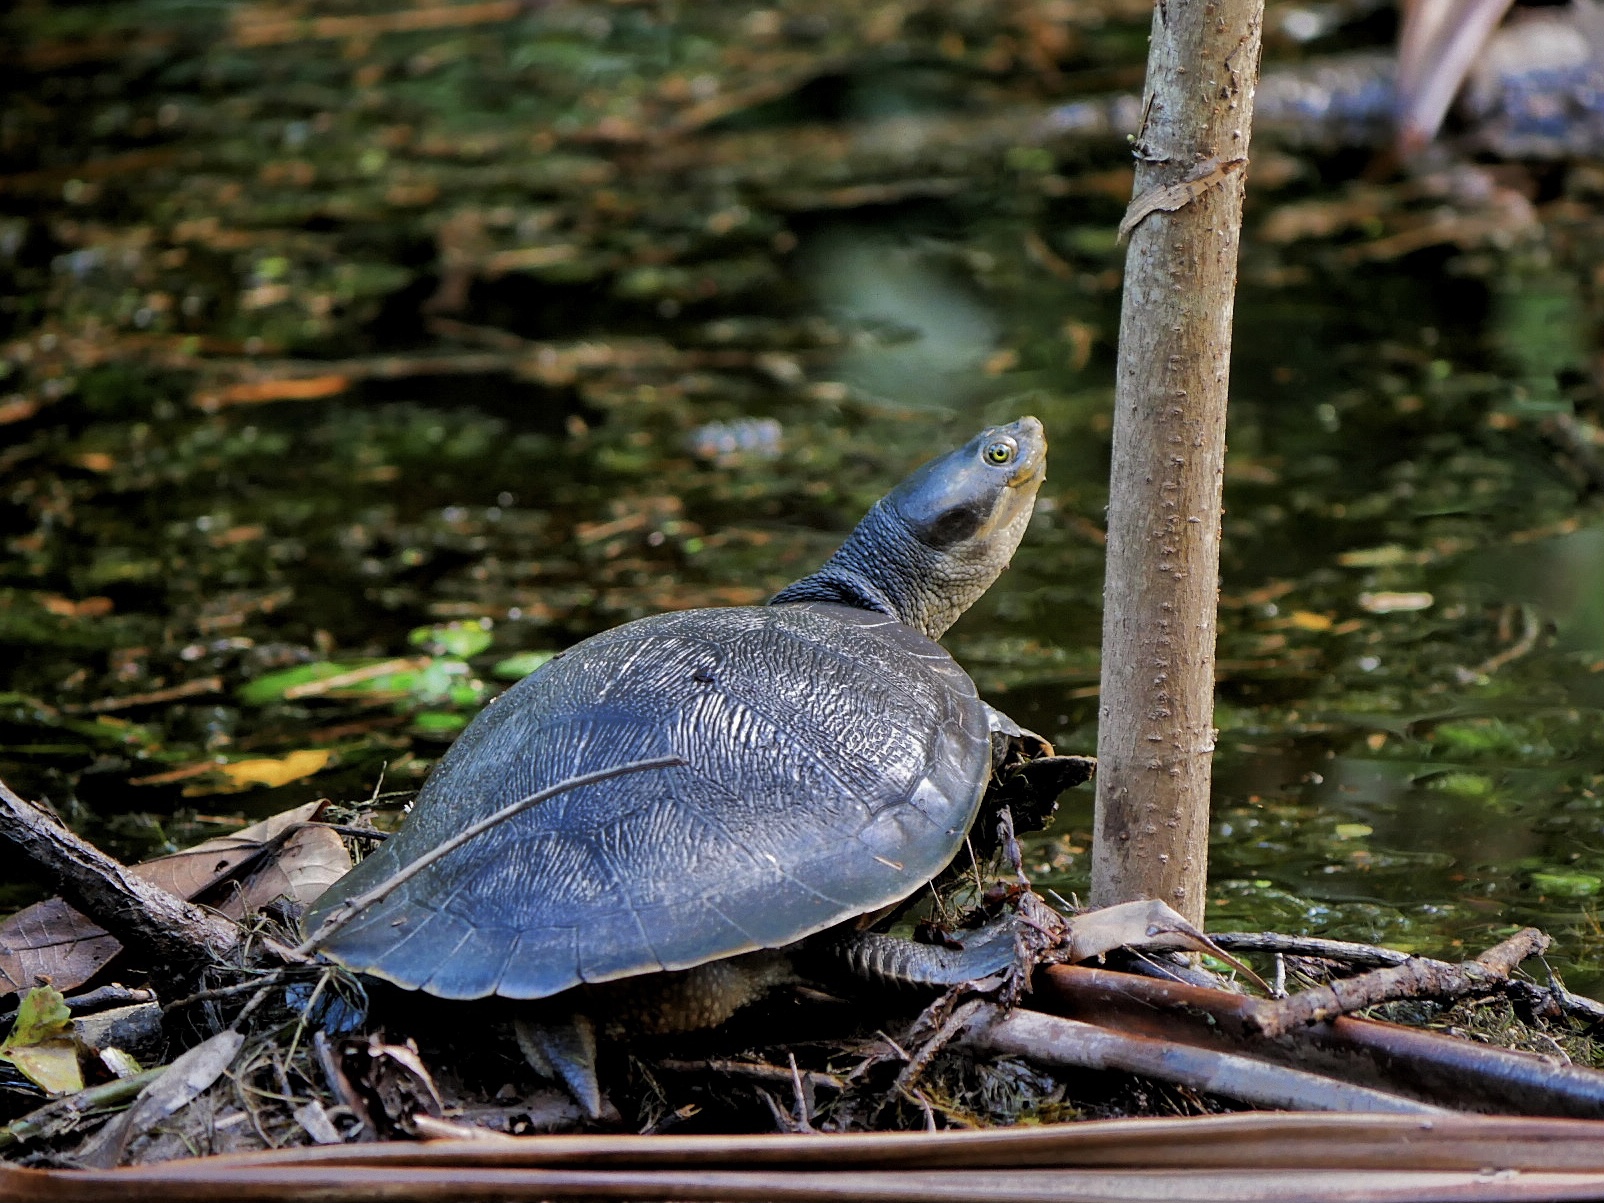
pixel 971 956
pixel 562 1047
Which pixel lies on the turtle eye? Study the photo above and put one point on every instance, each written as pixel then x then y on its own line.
pixel 1001 451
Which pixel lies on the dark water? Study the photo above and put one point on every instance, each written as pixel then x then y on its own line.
pixel 574 372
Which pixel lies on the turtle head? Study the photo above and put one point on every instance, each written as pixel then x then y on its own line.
pixel 929 548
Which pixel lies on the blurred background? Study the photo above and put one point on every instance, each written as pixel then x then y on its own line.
pixel 358 355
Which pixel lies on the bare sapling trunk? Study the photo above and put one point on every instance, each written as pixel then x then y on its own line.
pixel 1156 730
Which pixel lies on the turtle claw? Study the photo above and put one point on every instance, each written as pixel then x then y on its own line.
pixel 563 1048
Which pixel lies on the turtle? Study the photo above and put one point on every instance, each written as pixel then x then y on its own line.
pixel 833 759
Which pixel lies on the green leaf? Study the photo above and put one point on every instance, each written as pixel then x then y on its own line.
pixel 434 722
pixel 1558 883
pixel 435 682
pixel 466 693
pixel 41 1044
pixel 41 1015
pixel 515 667
pixel 460 639
pixel 271 688
pixel 1465 785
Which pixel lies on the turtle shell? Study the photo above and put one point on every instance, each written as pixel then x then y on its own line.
pixel 834 761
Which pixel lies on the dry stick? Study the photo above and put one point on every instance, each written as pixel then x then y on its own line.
pixel 1314 947
pixel 1155 718
pixel 352 907
pixel 178 935
pixel 99 999
pixel 756 1071
pixel 1051 1041
pixel 60 1114
pixel 951 1029
pixel 268 979
pixel 1419 977
pixel 334 1074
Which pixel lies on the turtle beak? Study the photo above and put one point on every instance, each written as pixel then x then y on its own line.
pixel 1032 441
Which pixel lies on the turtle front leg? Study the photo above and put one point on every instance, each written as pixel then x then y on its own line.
pixel 561 1047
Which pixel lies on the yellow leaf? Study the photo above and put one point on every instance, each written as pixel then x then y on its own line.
pixel 1308 620
pixel 281 771
pixel 51 1066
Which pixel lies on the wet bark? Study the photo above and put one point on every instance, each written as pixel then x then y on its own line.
pixel 1156 732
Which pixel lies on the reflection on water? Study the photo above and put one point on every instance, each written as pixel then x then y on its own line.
pixel 370 398
pixel 934 336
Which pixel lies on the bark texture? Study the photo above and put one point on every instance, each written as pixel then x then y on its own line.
pixel 1156 734
pixel 178 936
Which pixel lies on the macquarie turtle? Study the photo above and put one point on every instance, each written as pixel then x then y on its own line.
pixel 834 756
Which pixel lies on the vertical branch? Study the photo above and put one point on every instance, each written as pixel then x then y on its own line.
pixel 1156 732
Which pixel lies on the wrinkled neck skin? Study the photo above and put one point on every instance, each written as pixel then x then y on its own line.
pixel 883 566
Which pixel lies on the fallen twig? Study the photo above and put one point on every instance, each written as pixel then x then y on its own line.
pixel 1531 632
pixel 757 1071
pixel 263 26
pixel 179 936
pixel 1418 977
pixel 953 1027
pixel 59 1115
pixel 256 983
pixel 1430 1065
pixel 1315 947
pixel 334 1074
pixel 105 997
pixel 1054 1042
pixel 173 693
pixel 1065 1043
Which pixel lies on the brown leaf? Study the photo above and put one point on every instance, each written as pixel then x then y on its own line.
pixel 309 862
pixel 50 940
pixel 279 855
pixel 1175 196
pixel 1144 923
pixel 193 871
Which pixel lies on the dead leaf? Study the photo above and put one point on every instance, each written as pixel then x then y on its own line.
pixel 1176 196
pixel 271 771
pixel 311 860
pixel 120 1063
pixel 41 1043
pixel 1144 923
pixel 52 1066
pixel 254 392
pixel 312 1117
pixel 65 607
pixel 195 870
pixel 50 941
pixel 182 1082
